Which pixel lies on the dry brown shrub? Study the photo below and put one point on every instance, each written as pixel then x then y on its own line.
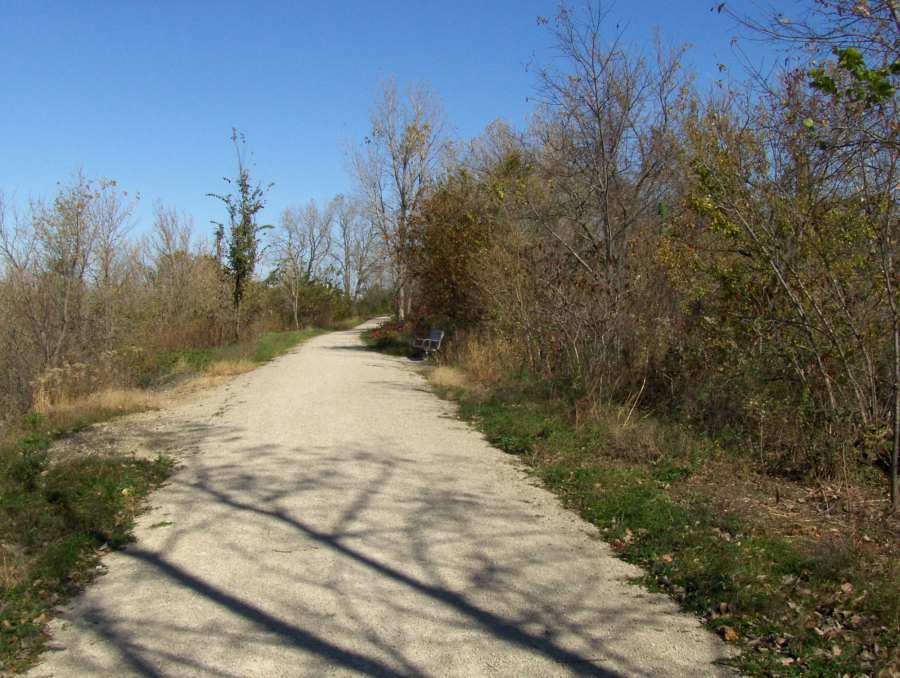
pixel 448 377
pixel 75 381
pixel 634 436
pixel 487 358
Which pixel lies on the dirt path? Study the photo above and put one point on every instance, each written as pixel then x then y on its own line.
pixel 332 518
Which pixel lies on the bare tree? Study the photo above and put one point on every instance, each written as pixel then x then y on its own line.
pixel 607 132
pixel 303 250
pixel 814 30
pixel 290 264
pixel 317 229
pixel 66 273
pixel 356 253
pixel 611 134
pixel 310 230
pixel 55 253
pixel 394 167
pixel 171 264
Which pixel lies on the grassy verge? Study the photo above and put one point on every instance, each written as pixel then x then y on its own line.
pixel 58 516
pixel 197 368
pixel 102 405
pixel 55 521
pixel 794 607
pixel 392 338
pixel 232 357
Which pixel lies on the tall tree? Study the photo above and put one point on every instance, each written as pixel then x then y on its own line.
pixel 303 247
pixel 239 239
pixel 611 141
pixel 356 253
pixel 395 166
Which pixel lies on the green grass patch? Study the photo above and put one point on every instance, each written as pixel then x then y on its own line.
pixel 792 611
pixel 57 516
pixel 54 519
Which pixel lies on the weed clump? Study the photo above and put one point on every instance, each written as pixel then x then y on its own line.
pixel 55 516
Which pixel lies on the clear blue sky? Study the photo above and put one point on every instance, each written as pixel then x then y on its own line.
pixel 146 92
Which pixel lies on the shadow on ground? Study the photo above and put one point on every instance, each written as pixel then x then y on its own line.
pixel 382 564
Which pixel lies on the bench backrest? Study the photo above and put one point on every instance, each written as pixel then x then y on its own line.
pixel 436 336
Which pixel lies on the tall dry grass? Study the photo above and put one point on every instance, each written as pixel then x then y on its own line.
pixel 69 413
pixel 488 358
pixel 65 409
pixel 229 368
pixel 449 377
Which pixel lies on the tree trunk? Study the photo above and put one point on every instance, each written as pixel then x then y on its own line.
pixel 401 303
pixel 896 442
pixel 237 320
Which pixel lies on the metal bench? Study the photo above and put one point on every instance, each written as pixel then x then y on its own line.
pixel 429 344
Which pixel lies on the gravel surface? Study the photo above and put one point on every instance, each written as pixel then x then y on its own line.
pixel 332 517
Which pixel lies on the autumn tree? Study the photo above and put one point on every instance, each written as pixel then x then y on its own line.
pixel 847 53
pixel 607 132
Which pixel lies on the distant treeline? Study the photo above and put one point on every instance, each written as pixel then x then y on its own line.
pixel 85 305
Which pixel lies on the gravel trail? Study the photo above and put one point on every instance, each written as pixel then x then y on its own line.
pixel 331 517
